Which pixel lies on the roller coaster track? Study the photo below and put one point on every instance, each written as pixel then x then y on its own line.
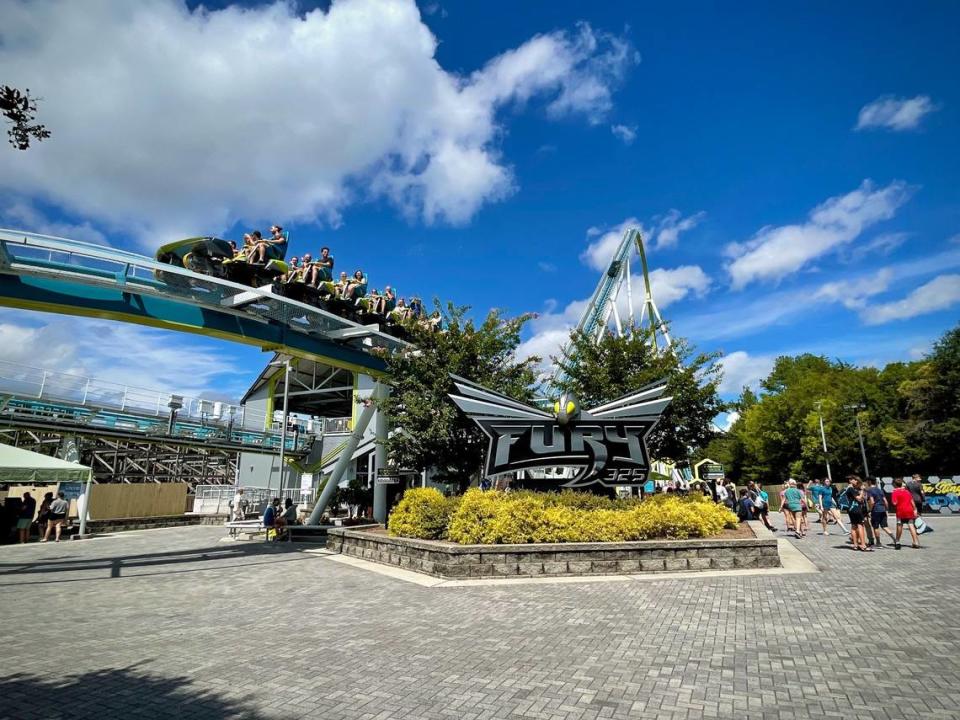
pixel 70 277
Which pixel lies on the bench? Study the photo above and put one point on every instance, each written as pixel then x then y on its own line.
pixel 245 527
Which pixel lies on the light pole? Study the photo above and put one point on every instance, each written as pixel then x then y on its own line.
pixel 175 403
pixel 823 437
pixel 285 364
pixel 863 450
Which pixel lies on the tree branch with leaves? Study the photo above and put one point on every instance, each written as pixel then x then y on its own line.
pixel 20 110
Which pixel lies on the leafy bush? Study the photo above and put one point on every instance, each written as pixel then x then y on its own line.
pixel 494 517
pixel 422 513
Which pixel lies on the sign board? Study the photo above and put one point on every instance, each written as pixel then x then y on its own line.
pixel 606 443
pixel 71 490
pixel 713 471
pixel 388 476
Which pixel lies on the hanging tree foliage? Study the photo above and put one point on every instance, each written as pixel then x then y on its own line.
pixel 431 432
pixel 19 110
pixel 599 372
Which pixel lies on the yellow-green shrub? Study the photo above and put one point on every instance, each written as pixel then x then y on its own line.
pixel 422 513
pixel 494 517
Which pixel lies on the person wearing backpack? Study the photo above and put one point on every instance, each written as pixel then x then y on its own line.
pixel 745 507
pixel 856 508
pixel 761 504
pixel 877 502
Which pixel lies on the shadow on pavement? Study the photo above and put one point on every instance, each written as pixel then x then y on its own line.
pixel 115 693
pixel 247 554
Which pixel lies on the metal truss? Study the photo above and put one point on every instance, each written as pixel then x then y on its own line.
pixel 131 460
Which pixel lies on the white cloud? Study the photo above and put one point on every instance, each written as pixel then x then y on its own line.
pixel 547 267
pixel 882 244
pixel 168 121
pixel 938 294
pixel 670 285
pixel 853 292
pixel 25 216
pixel 600 252
pixel 669 227
pixel 740 369
pixel 894 113
pixel 775 252
pixel 732 317
pixel 727 420
pixel 625 133
pixel 120 353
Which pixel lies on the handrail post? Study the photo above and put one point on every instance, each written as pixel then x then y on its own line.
pixel 86 391
pixel 43 382
pixel 123 400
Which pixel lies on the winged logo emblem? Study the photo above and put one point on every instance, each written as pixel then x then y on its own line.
pixel 606 443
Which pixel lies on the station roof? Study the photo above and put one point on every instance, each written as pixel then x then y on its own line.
pixel 316 389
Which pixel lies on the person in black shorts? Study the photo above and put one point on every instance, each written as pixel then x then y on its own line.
pixel 877 504
pixel 856 507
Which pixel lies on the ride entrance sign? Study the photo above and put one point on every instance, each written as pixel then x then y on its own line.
pixel 607 444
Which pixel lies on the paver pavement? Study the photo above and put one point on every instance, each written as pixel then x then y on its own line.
pixel 174 624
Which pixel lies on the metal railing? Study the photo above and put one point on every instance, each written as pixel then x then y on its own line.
pixel 31 382
pixel 216 499
pixel 26 253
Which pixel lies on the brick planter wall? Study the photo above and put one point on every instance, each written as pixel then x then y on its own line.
pixel 452 561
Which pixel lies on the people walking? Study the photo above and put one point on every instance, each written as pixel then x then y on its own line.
pixel 761 503
pixel 856 508
pixel 239 505
pixel 905 508
pixel 915 486
pixel 804 523
pixel 793 508
pixel 877 504
pixel 828 507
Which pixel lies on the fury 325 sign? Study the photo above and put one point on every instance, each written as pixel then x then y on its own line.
pixel 606 443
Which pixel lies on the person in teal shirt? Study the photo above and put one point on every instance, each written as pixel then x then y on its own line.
pixel 793 502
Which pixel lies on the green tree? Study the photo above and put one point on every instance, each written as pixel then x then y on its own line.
pixel 932 400
pixel 431 432
pixel 599 372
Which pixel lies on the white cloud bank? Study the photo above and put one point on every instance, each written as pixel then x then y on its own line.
pixel 123 354
pixel 775 252
pixel 938 294
pixel 168 121
pixel 741 369
pixel 662 232
pixel 892 113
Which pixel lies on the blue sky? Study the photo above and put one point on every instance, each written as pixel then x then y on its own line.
pixel 794 166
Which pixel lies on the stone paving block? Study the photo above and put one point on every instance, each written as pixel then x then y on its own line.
pixel 151 620
pixel 530 568
pixel 603 566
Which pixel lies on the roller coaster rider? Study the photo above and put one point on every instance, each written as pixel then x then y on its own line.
pixel 275 247
pixel 356 286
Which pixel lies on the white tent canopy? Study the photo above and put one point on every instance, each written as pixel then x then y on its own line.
pixel 29 468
